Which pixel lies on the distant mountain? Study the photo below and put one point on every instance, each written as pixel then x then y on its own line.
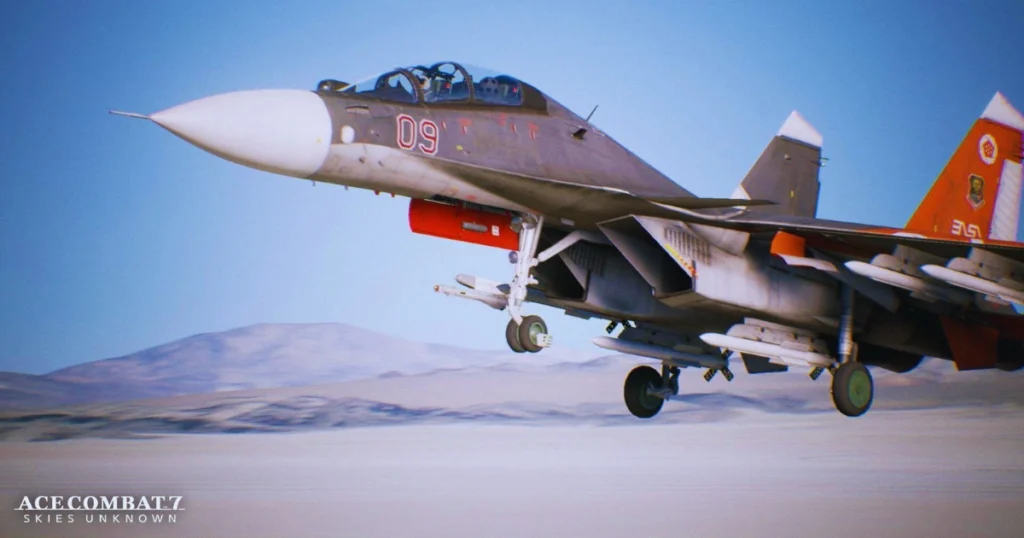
pixel 507 393
pixel 253 357
pixel 337 362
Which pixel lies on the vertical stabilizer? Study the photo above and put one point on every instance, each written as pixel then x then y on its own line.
pixel 978 193
pixel 787 171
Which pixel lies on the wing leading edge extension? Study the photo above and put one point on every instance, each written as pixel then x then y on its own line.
pixel 585 205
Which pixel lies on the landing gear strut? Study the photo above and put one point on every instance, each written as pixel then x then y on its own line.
pixel 852 386
pixel 528 333
pixel 524 259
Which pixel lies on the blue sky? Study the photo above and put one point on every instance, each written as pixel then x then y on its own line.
pixel 116 236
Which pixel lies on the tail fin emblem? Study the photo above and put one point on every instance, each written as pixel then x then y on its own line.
pixel 987 149
pixel 976 191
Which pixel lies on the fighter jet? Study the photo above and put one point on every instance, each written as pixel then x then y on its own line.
pixel 693 282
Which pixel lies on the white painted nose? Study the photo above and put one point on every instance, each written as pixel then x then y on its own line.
pixel 281 131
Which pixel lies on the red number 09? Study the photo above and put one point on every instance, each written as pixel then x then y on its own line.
pixel 407 134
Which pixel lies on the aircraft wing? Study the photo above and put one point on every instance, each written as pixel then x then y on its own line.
pixel 932 267
pixel 866 240
pixel 986 273
pixel 585 205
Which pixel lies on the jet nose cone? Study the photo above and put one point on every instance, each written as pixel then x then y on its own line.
pixel 282 131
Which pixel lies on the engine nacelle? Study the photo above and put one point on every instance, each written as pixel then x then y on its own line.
pixel 458 221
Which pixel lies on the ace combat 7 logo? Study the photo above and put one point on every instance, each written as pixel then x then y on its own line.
pixel 118 509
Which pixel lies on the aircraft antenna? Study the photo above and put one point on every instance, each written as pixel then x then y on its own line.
pixel 130 114
pixel 591 113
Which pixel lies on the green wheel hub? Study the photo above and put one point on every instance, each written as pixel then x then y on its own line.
pixel 852 389
pixel 530 332
pixel 860 387
pixel 535 330
pixel 648 401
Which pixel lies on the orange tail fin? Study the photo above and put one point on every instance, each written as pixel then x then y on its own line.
pixel 978 193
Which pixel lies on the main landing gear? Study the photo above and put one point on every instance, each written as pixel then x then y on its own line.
pixel 852 387
pixel 646 390
pixel 528 333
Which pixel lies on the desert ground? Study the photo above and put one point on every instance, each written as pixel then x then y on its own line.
pixel 305 430
pixel 943 472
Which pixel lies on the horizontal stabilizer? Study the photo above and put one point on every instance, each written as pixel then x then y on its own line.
pixel 705 203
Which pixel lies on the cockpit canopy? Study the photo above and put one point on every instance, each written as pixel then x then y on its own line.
pixel 442 82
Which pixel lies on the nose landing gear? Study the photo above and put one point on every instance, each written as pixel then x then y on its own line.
pixel 523 333
pixel 531 335
pixel 524 260
pixel 528 333
pixel 512 337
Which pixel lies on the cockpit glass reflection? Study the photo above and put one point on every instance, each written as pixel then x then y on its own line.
pixel 393 86
pixel 495 88
pixel 442 82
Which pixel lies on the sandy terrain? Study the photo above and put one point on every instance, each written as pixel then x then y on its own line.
pixel 943 472
pixel 433 442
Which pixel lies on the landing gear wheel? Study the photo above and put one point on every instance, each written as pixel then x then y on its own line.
pixel 529 330
pixel 638 400
pixel 852 389
pixel 512 337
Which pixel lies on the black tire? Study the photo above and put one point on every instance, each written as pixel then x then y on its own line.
pixel 853 390
pixel 638 401
pixel 512 337
pixel 528 331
